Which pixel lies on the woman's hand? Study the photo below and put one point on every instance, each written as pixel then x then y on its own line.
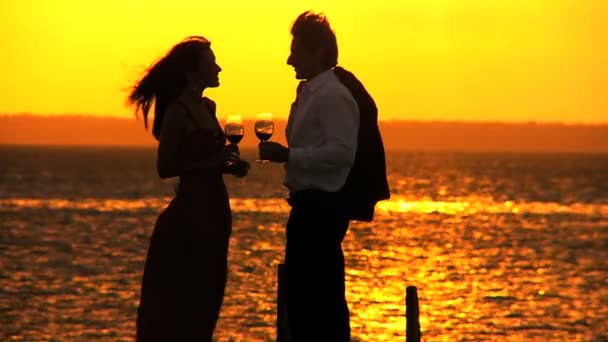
pixel 231 151
pixel 237 167
pixel 233 164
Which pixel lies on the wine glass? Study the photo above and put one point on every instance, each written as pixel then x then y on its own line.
pixel 234 129
pixel 264 127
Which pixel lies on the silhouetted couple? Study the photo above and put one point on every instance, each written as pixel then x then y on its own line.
pixel 335 172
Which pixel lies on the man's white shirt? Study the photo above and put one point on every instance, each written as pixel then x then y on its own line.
pixel 322 135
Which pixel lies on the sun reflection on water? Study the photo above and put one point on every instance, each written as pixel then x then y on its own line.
pixel 485 270
pixel 456 206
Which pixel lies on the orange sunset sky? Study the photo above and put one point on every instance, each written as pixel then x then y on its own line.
pixel 465 60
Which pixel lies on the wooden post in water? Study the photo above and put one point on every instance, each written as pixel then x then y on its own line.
pixel 282 327
pixel 412 315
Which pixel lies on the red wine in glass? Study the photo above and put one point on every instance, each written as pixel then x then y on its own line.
pixel 263 136
pixel 234 138
pixel 234 129
pixel 264 127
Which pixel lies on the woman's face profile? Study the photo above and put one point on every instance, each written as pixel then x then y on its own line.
pixel 208 70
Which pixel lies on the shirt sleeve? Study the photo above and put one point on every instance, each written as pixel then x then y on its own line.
pixel 338 115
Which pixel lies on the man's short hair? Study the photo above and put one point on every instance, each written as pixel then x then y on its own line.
pixel 314 31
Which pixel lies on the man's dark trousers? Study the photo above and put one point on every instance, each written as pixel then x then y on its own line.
pixel 316 304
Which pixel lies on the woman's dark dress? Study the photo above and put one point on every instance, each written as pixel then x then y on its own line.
pixel 186 265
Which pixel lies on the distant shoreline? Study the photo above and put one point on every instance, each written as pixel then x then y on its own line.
pixel 381 120
pixel 456 136
pixel 252 150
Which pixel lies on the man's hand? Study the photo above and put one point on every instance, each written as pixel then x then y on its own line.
pixel 272 151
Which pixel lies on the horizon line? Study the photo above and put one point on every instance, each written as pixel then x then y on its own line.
pixel 250 148
pixel 388 120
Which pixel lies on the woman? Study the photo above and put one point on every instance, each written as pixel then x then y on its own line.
pixel 186 265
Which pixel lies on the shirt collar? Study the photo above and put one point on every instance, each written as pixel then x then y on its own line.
pixel 317 81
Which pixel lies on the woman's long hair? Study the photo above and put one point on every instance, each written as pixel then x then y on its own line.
pixel 166 79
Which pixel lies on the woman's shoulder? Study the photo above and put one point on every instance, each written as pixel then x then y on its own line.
pixel 175 113
pixel 198 111
pixel 210 104
pixel 177 106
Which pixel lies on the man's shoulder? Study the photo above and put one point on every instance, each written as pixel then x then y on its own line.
pixel 335 88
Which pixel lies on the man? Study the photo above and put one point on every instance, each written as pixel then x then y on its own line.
pixel 322 138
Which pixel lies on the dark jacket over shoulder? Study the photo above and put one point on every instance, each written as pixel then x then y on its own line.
pixel 366 183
